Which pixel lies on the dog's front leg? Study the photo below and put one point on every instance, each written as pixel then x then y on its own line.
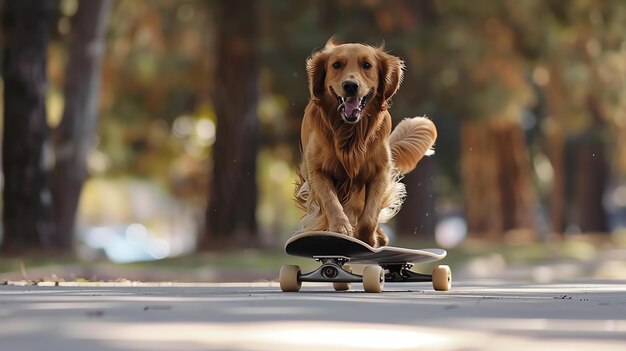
pixel 368 220
pixel 323 189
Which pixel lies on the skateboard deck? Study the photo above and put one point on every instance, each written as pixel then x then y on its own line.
pixel 317 244
pixel 334 250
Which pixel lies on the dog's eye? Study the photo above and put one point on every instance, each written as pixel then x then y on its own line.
pixel 337 65
pixel 366 65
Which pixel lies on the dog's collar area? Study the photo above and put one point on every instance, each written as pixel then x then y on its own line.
pixel 355 113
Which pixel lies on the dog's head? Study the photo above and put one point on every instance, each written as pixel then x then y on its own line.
pixel 353 78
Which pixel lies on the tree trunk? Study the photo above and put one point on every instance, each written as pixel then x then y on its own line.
pixel 517 197
pixel 26 158
pixel 417 218
pixel 555 140
pixel 74 136
pixel 499 198
pixel 591 181
pixel 592 173
pixel 479 174
pixel 231 210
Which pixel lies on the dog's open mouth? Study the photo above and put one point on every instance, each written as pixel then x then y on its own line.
pixel 350 107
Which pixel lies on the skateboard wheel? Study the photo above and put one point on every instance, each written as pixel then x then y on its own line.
pixel 373 279
pixel 288 278
pixel 442 278
pixel 343 286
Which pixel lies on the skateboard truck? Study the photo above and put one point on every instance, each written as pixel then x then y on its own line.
pixel 401 273
pixel 331 270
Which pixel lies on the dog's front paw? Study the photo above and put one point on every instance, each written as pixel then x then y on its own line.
pixel 381 238
pixel 366 232
pixel 341 226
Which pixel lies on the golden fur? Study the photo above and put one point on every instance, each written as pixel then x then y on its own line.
pixel 352 161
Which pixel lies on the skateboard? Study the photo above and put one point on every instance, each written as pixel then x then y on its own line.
pixel 383 264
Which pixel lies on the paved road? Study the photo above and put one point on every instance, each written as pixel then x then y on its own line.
pixel 475 315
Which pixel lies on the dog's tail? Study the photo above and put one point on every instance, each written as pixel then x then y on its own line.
pixel 410 141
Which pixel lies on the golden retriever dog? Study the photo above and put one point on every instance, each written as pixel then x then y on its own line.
pixel 352 162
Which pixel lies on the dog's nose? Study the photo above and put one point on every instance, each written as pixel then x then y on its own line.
pixel 350 87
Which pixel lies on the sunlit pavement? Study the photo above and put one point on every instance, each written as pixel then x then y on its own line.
pixel 475 315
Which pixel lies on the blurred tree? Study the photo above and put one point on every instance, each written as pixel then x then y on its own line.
pixel 581 44
pixel 231 209
pixel 26 152
pixel 496 169
pixel 591 147
pixel 418 215
pixel 591 154
pixel 74 137
pixel 555 149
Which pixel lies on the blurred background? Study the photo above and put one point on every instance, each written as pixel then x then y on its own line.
pixel 146 130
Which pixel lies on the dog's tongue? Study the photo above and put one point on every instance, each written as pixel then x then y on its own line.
pixel 350 105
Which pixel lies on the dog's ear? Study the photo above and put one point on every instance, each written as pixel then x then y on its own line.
pixel 391 73
pixel 331 43
pixel 316 71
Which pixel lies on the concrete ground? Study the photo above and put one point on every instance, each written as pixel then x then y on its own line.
pixel 474 315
